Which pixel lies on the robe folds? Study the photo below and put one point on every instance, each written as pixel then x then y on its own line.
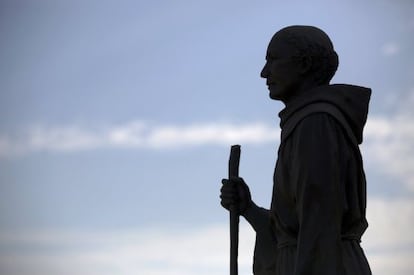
pixel 317 215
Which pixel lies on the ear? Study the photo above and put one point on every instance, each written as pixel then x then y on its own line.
pixel 305 64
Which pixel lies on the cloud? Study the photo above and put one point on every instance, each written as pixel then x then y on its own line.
pixel 390 225
pixel 136 134
pixel 390 49
pixel 389 242
pixel 152 251
pixel 389 145
pixel 173 250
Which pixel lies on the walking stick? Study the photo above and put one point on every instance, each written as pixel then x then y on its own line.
pixel 234 211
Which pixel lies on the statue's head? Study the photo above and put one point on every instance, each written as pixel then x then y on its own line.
pixel 297 58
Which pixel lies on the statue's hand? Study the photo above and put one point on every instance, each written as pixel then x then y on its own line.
pixel 235 192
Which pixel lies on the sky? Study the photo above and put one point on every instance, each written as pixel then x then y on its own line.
pixel 116 120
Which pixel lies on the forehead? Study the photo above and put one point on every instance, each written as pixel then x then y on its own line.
pixel 280 47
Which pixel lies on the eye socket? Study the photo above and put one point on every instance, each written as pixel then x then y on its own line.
pixel 271 56
pixel 275 57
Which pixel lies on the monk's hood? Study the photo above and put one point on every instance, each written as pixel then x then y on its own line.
pixel 351 100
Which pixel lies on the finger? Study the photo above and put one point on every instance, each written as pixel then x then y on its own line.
pixel 232 181
pixel 225 205
pixel 236 180
pixel 229 190
pixel 229 185
pixel 229 197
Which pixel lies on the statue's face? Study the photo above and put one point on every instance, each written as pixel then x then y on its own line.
pixel 281 69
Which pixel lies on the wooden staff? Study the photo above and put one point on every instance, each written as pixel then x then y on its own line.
pixel 234 161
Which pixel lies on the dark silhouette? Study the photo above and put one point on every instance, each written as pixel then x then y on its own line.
pixel 317 215
pixel 234 161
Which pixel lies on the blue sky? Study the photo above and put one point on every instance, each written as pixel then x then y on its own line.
pixel 116 119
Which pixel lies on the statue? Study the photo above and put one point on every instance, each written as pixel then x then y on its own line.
pixel 317 214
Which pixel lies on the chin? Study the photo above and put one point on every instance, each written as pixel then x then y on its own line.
pixel 275 96
pixel 279 93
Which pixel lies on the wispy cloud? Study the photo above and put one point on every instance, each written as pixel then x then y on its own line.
pixel 389 141
pixel 389 242
pixel 136 134
pixel 153 251
pixel 390 49
pixel 186 251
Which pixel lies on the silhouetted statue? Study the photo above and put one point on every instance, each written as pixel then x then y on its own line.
pixel 317 214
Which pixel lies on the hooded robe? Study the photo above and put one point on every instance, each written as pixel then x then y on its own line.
pixel 317 214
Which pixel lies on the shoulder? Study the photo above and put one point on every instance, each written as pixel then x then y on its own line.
pixel 318 128
pixel 318 137
pixel 315 123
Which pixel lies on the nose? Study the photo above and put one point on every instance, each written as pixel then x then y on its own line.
pixel 265 71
